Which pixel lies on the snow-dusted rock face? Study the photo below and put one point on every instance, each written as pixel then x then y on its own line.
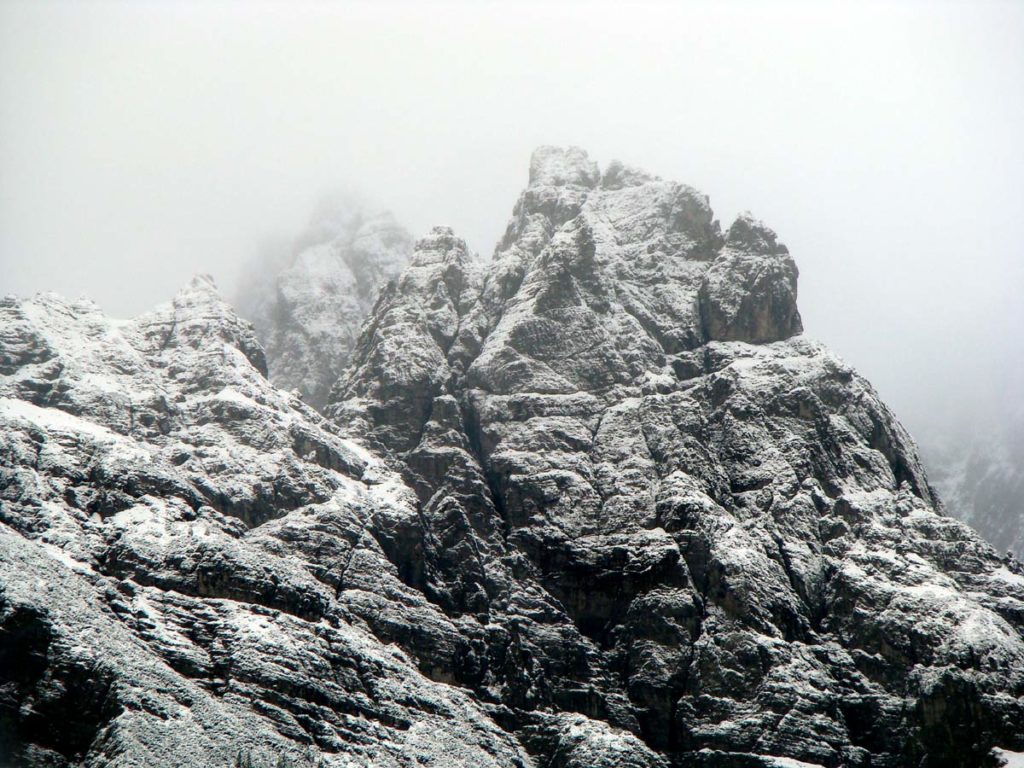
pixel 188 569
pixel 593 503
pixel 749 292
pixel 308 307
pixel 669 513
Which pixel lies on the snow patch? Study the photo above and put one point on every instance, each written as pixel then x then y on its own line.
pixel 1005 574
pixel 1011 759
pixel 54 419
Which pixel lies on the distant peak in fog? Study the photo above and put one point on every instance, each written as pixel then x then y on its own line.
pixel 307 297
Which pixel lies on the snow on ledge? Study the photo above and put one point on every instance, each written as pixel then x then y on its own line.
pixel 1010 759
pixel 55 419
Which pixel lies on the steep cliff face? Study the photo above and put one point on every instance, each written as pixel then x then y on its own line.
pixel 594 502
pixel 692 523
pixel 309 302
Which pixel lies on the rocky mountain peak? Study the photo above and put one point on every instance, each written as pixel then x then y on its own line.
pixel 749 291
pixel 594 502
pixel 750 234
pixel 630 446
pixel 618 175
pixel 201 318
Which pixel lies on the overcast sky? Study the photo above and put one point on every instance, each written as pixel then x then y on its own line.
pixel 141 143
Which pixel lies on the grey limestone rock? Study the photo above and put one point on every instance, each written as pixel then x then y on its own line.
pixel 595 501
pixel 731 533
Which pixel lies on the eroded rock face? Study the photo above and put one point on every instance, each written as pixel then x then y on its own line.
pixel 729 533
pixel 308 301
pixel 188 569
pixel 594 502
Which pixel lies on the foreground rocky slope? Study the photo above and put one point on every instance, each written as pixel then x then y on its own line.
pixel 186 571
pixel 309 300
pixel 595 502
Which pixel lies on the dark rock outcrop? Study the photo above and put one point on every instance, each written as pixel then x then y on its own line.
pixel 749 293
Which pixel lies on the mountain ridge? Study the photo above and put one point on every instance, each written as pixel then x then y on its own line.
pixel 594 502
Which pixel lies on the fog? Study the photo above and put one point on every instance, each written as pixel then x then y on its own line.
pixel 142 143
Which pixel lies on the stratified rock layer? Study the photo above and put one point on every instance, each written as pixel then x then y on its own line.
pixel 595 502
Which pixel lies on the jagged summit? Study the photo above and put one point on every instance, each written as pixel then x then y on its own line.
pixel 623 273
pixel 749 291
pixel 626 444
pixel 571 166
pixel 618 175
pixel 595 501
